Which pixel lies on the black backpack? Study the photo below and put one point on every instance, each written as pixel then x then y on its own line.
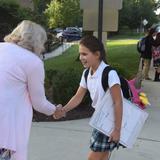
pixel 127 93
pixel 141 45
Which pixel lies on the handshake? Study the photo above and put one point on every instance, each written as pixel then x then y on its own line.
pixel 59 112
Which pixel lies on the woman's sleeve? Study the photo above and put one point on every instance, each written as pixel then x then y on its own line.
pixel 35 83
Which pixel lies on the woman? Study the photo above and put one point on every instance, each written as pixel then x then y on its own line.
pixel 22 86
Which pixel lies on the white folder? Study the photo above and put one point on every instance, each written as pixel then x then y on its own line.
pixel 132 121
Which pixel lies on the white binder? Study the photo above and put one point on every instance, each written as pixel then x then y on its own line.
pixel 132 121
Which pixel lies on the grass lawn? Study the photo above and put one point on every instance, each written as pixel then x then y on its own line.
pixel 67 60
pixel 124 52
pixel 121 51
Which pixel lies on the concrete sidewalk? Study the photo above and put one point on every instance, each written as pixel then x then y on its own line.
pixel 59 50
pixel 69 140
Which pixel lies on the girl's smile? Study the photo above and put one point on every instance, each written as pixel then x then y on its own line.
pixel 88 58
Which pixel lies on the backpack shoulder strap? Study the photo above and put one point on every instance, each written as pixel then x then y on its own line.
pixel 127 93
pixel 105 73
pixel 104 79
pixel 86 74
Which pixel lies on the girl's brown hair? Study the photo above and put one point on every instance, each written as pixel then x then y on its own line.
pixel 93 44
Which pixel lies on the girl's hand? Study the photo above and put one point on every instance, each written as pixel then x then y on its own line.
pixel 59 113
pixel 115 136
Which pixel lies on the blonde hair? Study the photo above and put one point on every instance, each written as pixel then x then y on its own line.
pixel 28 35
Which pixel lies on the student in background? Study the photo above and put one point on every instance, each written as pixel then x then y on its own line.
pixel 156 57
pixel 147 54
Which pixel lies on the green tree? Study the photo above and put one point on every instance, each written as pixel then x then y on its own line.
pixel 39 8
pixel 63 13
pixel 134 11
pixel 53 13
pixel 10 15
pixel 158 3
pixel 40 5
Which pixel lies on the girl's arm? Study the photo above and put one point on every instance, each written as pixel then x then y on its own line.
pixel 73 103
pixel 118 111
pixel 76 99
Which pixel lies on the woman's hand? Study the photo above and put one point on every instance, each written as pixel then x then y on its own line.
pixel 59 113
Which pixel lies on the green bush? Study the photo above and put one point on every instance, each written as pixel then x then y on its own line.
pixel 63 83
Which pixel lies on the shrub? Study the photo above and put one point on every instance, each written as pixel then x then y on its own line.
pixel 64 84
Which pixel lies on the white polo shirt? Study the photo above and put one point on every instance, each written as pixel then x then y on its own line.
pixel 94 83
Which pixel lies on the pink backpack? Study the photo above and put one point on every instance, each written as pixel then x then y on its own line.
pixel 135 93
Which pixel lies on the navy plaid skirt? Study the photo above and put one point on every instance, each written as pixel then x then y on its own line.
pixel 99 142
pixel 5 154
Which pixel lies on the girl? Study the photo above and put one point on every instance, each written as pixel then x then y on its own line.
pixel 92 56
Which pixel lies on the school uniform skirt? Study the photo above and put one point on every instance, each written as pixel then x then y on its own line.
pixel 99 142
pixel 5 154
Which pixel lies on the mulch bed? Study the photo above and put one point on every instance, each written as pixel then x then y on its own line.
pixel 78 113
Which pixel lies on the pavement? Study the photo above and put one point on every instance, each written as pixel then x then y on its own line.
pixel 69 140
pixel 59 50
